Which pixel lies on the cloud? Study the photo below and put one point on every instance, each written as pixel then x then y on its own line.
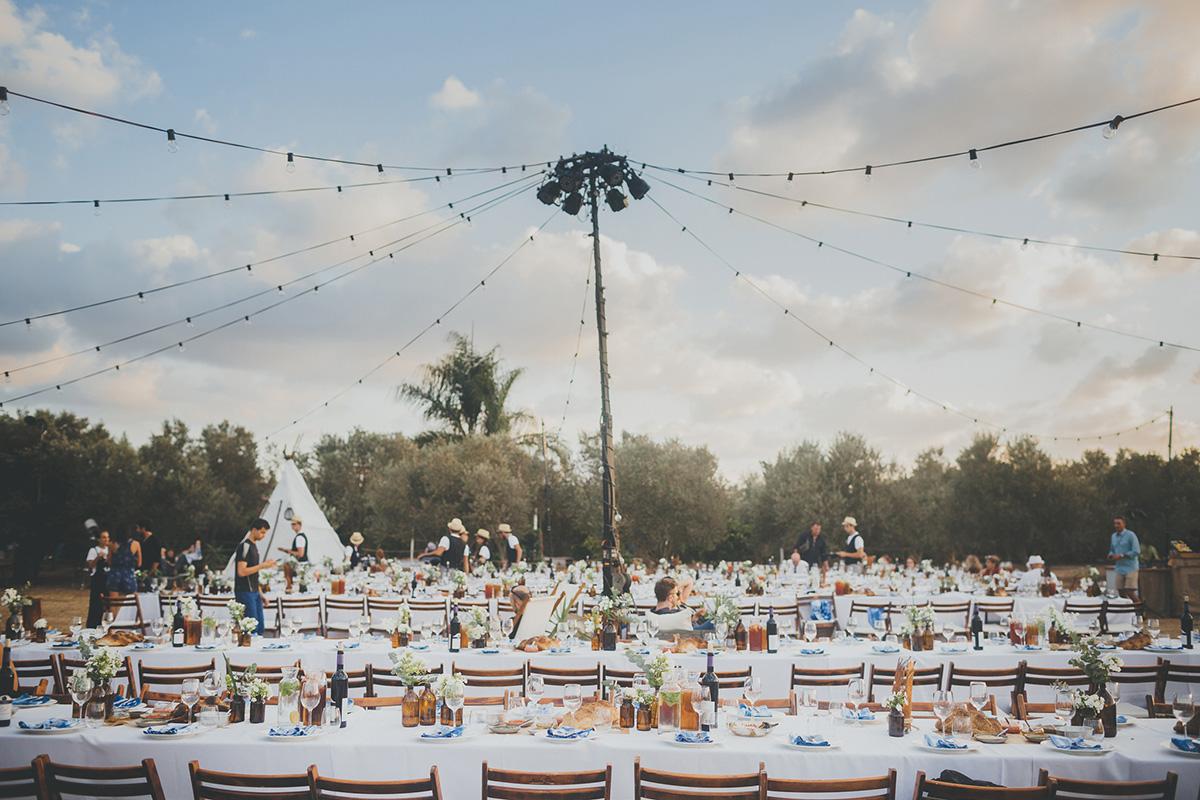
pixel 205 121
pixel 248 33
pixel 502 124
pixel 67 247
pixel 454 96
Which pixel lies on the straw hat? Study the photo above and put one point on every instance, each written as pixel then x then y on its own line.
pixel 455 525
pixel 482 533
pixel 1035 561
pixel 356 538
pixel 298 521
pixel 505 528
pixel 851 521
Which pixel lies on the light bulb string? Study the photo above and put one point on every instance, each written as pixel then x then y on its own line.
pixel 911 273
pixel 911 223
pixel 873 167
pixel 872 370
pixel 244 317
pixel 587 292
pixel 270 151
pixel 475 287
pixel 249 267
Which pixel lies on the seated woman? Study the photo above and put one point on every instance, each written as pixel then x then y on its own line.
pixel 972 565
pixel 670 597
pixel 519 597
pixel 991 566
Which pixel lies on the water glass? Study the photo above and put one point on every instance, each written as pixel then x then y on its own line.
pixel 189 694
pixel 1183 707
pixel 535 688
pixel 979 694
pixel 943 707
pixel 572 697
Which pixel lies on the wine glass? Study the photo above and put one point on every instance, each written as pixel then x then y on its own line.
pixel 1064 706
pixel 979 695
pixel 810 631
pixel 696 695
pixel 1114 691
pixel 752 690
pixel 107 621
pixel 189 694
pixel 77 626
pixel 652 626
pixel 223 628
pixel 454 698
pixel 364 625
pixel 506 627
pixel 856 695
pixel 81 686
pixel 808 704
pixel 535 688
pixel 948 633
pixel 156 629
pixel 1018 626
pixel 1153 625
pixel 212 684
pixel 310 695
pixel 572 697
pixel 1183 707
pixel 427 632
pixel 943 707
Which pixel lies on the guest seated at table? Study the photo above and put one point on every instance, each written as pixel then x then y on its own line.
pixel 972 565
pixel 910 563
pixel 1031 579
pixel 519 597
pixel 991 566
pixel 671 596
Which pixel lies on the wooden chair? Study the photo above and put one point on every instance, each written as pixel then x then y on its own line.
pixel 339 611
pixel 122 682
pixel 63 781
pixel 963 677
pixel 507 784
pixel 922 676
pixel 1117 606
pixel 1186 674
pixel 120 606
pixel 356 681
pixel 382 677
pixel 306 609
pixel 1140 675
pixel 1072 789
pixel 382 610
pixel 33 672
pixel 835 677
pixel 322 788
pixel 732 679
pixel 864 608
pixel 208 784
pixel 621 678
pixel 787 704
pixel 170 678
pixel 23 781
pixel 428 611
pixel 787 611
pixel 882 787
pixel 166 606
pixel 992 609
pixel 1046 677
pixel 928 789
pixel 956 615
pixel 559 677
pixel 653 784
pixel 482 684
pixel 213 605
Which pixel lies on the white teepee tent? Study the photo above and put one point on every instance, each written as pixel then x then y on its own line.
pixel 291 499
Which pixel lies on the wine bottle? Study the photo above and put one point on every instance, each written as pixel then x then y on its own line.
pixel 737 579
pixel 740 637
pixel 8 677
pixel 413 585
pixel 455 630
pixel 1103 615
pixel 339 686
pixel 178 628
pixel 711 689
pixel 1185 625
pixel 976 629
pixel 772 631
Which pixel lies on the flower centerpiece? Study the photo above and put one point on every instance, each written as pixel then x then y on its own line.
pixel 656 668
pixel 896 703
pixel 39 629
pixel 459 579
pixel 401 626
pixel 247 627
pixel 476 627
pixel 724 612
pixel 615 612
pixel 1093 582
pixel 102 665
pixel 258 690
pixel 917 627
pixel 15 602
pixel 1098 666
pixel 187 604
pixel 450 689
pixel 1060 626
pixel 412 672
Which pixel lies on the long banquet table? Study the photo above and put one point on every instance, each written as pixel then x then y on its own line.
pixel 374 746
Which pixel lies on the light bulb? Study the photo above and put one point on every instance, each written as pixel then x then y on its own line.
pixel 291 163
pixel 1025 244
pixel 1110 130
pixel 95 208
pixel 190 324
pixel 974 159
pixel 5 108
pixel 141 297
pixel 181 347
pixel 227 203
pixel 246 319
pixel 7 376
pixel 867 174
pixel 379 172
pixel 172 142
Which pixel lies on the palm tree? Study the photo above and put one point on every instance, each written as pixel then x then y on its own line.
pixel 465 392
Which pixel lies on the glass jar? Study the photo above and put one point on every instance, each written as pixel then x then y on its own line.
pixel 258 712
pixel 410 706
pixel 428 711
pixel 609 636
pixel 644 720
pixel 627 713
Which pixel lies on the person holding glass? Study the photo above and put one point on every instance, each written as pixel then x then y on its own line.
pixel 246 568
pixel 97 564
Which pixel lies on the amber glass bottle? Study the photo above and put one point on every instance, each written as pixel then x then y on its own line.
pixel 428 706
pixel 627 712
pixel 411 708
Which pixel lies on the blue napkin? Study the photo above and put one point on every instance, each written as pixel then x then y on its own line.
pixel 490 650
pixel 693 737
pixel 64 645
pixel 30 701
pixel 821 610
pixel 350 645
pixel 1122 719
pixel 276 645
pixel 812 651
pixel 567 732
pixel 143 646
pixel 874 616
pixel 1064 743
pixel 1029 647
pixel 753 711
pixel 954 648
pixel 886 647
pixel 418 646
pixel 170 729
pixel 863 714
pixel 310 635
pixel 128 703
pixel 54 723
pixel 811 740
pixel 443 732
pixel 942 743
pixel 295 730
pixel 560 650
pixel 1186 744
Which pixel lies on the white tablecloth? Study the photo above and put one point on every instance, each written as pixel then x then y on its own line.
pixel 375 746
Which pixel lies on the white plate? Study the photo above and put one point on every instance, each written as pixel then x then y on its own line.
pixel 267 735
pixel 553 740
pixel 809 748
pixel 822 652
pixel 451 740
pixel 1167 744
pixel 47 704
pixel 970 747
pixel 181 735
pixel 1104 748
pixel 76 725
pixel 1151 648
pixel 673 741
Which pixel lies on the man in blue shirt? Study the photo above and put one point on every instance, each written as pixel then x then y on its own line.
pixel 1123 551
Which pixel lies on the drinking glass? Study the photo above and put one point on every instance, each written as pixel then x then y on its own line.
pixel 107 621
pixel 77 626
pixel 427 632
pixel 572 697
pixel 364 625
pixel 189 694
pixel 810 631
pixel 81 686
pixel 1114 691
pixel 1018 626
pixel 856 695
pixel 223 628
pixel 94 713
pixel 948 633
pixel 807 707
pixel 979 694
pixel 652 626
pixel 454 699
pixel 214 683
pixel 332 718
pixel 310 695
pixel 697 699
pixel 506 627
pixel 535 689
pixel 1183 707
pixel 1064 706
pixel 943 706
pixel 752 689
pixel 1154 626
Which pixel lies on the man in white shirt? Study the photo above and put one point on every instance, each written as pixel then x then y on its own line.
pixel 1031 579
pixel 483 553
pixel 452 548
pixel 854 552
pixel 97 564
pixel 511 551
pixel 299 548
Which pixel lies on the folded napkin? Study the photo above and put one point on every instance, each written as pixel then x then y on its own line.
pixel 490 650
pixel 54 723
pixel 942 743
pixel 443 732
pixel 812 651
pixel 418 646
pixel 71 643
pixel 821 610
pixel 127 703
pixel 1029 647
pixel 308 636
pixel 1186 744
pixel 567 732
pixel 31 700
pixel 1065 743
pixel 1122 719
pixel 276 645
pixel 148 646
pixel 560 650
pixel 746 710
pixel 693 737
pixel 875 617
pixel 954 648
pixel 862 713
pixel 171 729
pixel 810 740
pixel 207 646
pixel 1165 646
pixel 295 730
pixel 886 648
pixel 350 645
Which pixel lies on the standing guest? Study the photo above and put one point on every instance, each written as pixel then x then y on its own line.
pixel 511 552
pixel 97 564
pixel 151 549
pixel 299 548
pixel 125 560
pixel 519 597
pixel 854 551
pixel 1124 550
pixel 483 553
pixel 354 551
pixel 452 549
pixel 812 548
pixel 246 569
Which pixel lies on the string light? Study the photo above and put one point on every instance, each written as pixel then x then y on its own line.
pixel 291 163
pixel 974 159
pixel 95 208
pixel 1110 130
pixel 172 143
pixel 587 293
pixel 5 107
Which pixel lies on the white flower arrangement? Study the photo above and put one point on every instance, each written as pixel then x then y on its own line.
pixel 236 610
pixel 476 624
pixel 451 684
pixel 459 579
pixel 1089 704
pixel 187 604
pixel 896 701
pixel 40 624
pixel 917 618
pixel 408 668
pixel 615 609
pixel 102 663
pixel 399 626
pixel 247 625
pixel 723 609
pixel 257 689
pixel 13 600
pixel 1065 623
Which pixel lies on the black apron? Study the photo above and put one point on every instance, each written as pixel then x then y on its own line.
pixel 296 543
pixel 454 553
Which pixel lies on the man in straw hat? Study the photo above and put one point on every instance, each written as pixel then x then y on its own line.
pixel 854 551
pixel 354 551
pixel 452 548
pixel 299 548
pixel 510 550
pixel 483 553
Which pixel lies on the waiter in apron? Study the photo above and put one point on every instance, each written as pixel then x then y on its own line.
pixel 299 548
pixel 854 552
pixel 510 545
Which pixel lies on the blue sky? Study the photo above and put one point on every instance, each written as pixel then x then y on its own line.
pixel 695 355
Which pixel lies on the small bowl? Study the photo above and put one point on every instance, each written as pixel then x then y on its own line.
pixel 1035 736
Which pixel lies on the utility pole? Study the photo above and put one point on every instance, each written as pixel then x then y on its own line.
pixel 545 498
pixel 588 172
pixel 1170 432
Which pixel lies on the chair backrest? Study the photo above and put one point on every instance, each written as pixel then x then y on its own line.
pixel 928 789
pixel 305 609
pixel 382 677
pixel 486 681
pixel 122 682
pixel 618 677
pixel 956 613
pixel 272 674
pixel 653 784
pixel 922 676
pixel 561 676
pixel 1045 678
pixel 127 613
pixel 1004 676
pixel 1071 789
pixel 22 781
pixel 382 610
pixel 1187 674
pixel 64 781
pixel 323 788
pixel 31 672
pixel 997 607
pixel 339 611
pixel 834 676
pixel 214 605
pixel 208 784
pixel 356 681
pixel 882 787
pixel 732 678
pixel 507 784
pixel 155 678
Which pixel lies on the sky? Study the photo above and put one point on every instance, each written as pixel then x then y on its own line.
pixel 696 352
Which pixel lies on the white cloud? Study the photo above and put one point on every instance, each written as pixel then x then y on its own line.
pixel 248 33
pixel 205 121
pixel 162 252
pixel 68 247
pixel 454 96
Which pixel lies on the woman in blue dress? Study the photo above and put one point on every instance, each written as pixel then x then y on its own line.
pixel 125 559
